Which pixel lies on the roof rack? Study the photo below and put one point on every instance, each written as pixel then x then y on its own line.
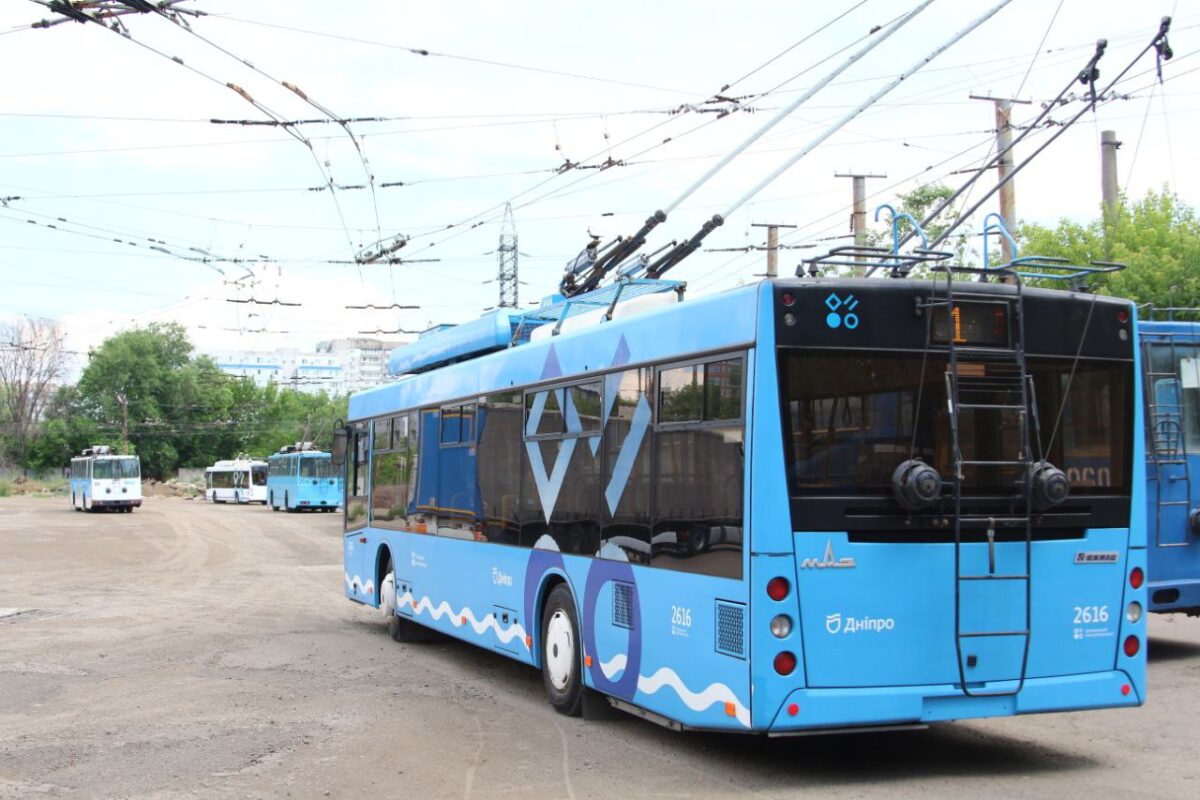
pixel 870 259
pixel 623 288
pixel 1150 312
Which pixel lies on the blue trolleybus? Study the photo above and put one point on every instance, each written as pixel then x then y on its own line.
pixel 1171 361
pixel 300 477
pixel 809 503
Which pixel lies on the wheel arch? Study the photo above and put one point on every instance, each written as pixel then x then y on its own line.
pixel 552 577
pixel 383 557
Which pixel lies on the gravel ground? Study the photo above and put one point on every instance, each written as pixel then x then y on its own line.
pixel 191 650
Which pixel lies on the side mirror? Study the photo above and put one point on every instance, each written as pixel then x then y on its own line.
pixel 341 441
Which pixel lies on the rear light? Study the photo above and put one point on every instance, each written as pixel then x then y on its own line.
pixel 1132 646
pixel 785 662
pixel 777 588
pixel 1136 577
pixel 781 626
pixel 789 319
pixel 1122 316
pixel 789 299
pixel 1133 612
pixel 793 709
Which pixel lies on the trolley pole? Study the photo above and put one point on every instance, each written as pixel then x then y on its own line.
pixel 772 245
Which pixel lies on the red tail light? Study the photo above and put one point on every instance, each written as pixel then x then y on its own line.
pixel 777 588
pixel 1136 577
pixel 789 299
pixel 1132 646
pixel 785 662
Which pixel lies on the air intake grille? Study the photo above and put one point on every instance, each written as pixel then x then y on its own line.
pixel 623 604
pixel 731 629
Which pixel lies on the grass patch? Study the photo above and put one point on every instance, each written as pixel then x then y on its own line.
pixel 5 489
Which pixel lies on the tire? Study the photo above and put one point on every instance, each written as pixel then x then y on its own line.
pixel 271 501
pixel 402 630
pixel 562 652
pixel 286 507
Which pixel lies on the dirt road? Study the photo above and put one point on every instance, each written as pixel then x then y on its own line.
pixel 190 650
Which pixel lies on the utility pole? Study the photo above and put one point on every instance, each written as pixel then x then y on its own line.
pixel 1008 196
pixel 507 252
pixel 858 217
pixel 1108 172
pixel 772 245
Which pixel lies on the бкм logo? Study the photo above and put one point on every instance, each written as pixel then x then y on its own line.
pixel 841 311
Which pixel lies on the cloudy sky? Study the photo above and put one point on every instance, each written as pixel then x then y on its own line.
pixel 118 184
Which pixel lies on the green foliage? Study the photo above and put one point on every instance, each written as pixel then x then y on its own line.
pixel 1158 238
pixel 145 393
pixel 5 489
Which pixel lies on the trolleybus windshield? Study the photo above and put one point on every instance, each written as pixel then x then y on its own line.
pixel 113 468
pixel 317 468
pixel 849 421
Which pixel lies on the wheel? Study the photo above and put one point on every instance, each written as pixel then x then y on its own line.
pixel 87 504
pixel 286 506
pixel 74 506
pixel 562 656
pixel 271 502
pixel 402 630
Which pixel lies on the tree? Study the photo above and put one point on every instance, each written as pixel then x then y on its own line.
pixel 1158 238
pixel 32 363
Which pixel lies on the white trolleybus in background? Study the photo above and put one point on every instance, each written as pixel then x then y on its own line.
pixel 238 480
pixel 101 479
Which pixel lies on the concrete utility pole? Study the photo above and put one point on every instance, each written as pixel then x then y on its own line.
pixel 772 245
pixel 1108 172
pixel 858 218
pixel 1008 195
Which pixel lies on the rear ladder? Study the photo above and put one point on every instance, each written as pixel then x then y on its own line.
pixel 1168 444
pixel 993 381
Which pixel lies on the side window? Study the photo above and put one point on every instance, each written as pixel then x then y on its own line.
pixel 560 472
pixel 628 479
pixel 458 424
pixel 393 475
pixel 357 464
pixel 499 420
pixel 699 469
pixel 681 394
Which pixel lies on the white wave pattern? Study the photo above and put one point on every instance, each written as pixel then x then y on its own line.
pixel 464 616
pixel 696 701
pixel 715 693
pixel 614 666
pixel 356 584
pixel 665 676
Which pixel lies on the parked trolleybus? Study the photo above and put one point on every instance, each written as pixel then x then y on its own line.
pixel 1171 362
pixel 302 477
pixel 237 480
pixel 103 480
pixel 809 503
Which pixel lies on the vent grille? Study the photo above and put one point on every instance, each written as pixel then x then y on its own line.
pixel 731 629
pixel 623 604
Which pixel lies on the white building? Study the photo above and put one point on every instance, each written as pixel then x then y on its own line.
pixel 337 366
